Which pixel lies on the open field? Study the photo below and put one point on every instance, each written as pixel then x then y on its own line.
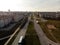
pixel 31 37
pixel 53 34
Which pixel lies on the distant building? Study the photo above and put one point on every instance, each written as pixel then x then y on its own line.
pixel 50 15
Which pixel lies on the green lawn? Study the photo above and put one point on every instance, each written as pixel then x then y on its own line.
pixel 31 37
pixel 55 32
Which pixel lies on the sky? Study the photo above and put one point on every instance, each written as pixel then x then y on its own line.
pixel 30 5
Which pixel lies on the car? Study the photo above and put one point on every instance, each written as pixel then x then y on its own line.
pixel 21 40
pixel 37 21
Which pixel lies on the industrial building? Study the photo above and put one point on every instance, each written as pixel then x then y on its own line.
pixel 8 17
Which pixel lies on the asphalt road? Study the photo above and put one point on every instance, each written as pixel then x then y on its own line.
pixel 42 37
pixel 21 33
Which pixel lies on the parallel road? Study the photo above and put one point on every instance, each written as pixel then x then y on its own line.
pixel 42 37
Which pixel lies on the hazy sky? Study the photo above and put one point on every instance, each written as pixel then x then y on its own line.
pixel 30 5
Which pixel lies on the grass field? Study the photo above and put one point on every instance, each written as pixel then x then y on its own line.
pixel 31 37
pixel 55 32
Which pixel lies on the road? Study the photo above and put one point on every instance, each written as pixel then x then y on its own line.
pixel 21 33
pixel 42 19
pixel 42 37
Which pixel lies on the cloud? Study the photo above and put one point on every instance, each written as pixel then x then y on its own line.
pixel 26 5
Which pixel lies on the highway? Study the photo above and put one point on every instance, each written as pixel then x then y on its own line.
pixel 42 37
pixel 21 33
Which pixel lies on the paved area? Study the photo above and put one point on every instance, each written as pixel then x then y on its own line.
pixel 42 37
